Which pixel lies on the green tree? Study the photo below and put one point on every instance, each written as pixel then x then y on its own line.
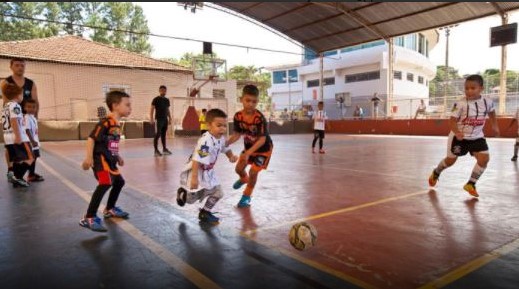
pixel 51 12
pixel 97 17
pixel 138 23
pixel 444 82
pixel 12 28
pixel 492 78
pixel 252 74
pixel 72 14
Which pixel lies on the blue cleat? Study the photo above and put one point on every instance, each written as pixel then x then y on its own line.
pixel 115 212
pixel 208 217
pixel 93 224
pixel 244 202
pixel 237 185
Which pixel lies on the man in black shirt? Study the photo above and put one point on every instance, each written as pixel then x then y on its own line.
pixel 160 106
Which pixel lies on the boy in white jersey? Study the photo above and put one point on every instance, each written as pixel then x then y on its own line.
pixel 198 179
pixel 319 126
pixel 516 146
pixel 467 120
pixel 15 138
pixel 31 127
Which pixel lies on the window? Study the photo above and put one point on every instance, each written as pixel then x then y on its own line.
pixel 218 93
pixel 329 81
pixel 397 75
pixel 399 41
pixel 310 54
pixel 420 79
pixel 421 44
pixel 116 87
pixel 362 46
pixel 312 83
pixel 372 75
pixel 292 75
pixel 410 42
pixel 410 77
pixel 279 76
pixel 330 53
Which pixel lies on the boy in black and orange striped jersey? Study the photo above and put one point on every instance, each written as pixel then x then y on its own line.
pixel 102 155
pixel 250 123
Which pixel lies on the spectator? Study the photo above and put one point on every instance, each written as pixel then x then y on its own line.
pixel 358 113
pixel 421 109
pixel 376 101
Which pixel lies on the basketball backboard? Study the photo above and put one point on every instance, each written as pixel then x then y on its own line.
pixel 209 68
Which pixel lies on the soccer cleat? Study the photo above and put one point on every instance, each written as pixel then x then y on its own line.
pixel 17 183
pixel 514 158
pixel 35 178
pixel 433 178
pixel 321 151
pixel 181 197
pixel 10 176
pixel 471 189
pixel 244 202
pixel 93 224
pixel 115 212
pixel 208 217
pixel 158 154
pixel 237 185
pixel 166 152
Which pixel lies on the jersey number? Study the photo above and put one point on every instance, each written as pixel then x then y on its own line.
pixel 6 124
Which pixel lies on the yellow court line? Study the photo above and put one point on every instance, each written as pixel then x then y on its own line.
pixel 340 211
pixel 163 253
pixel 471 266
pixel 314 264
pixel 289 254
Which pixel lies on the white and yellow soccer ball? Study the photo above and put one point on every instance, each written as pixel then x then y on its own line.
pixel 302 236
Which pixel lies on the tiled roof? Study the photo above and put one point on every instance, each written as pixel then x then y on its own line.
pixel 77 50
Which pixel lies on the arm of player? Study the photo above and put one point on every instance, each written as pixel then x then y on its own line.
pixel 194 175
pixel 152 110
pixel 89 157
pixel 259 143
pixel 232 157
pixel 31 138
pixel 493 121
pixel 34 93
pixel 232 139
pixel 16 130
pixel 453 123
pixel 169 116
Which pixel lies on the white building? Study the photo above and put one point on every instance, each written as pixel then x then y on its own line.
pixel 356 73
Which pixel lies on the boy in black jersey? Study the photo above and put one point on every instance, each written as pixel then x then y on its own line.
pixel 103 156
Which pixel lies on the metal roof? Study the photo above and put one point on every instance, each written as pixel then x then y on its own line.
pixel 324 26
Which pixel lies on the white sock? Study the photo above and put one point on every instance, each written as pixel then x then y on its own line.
pixel 477 171
pixel 441 166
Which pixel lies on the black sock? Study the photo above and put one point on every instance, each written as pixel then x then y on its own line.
pixel 20 169
pixel 32 168
pixel 97 196
pixel 117 186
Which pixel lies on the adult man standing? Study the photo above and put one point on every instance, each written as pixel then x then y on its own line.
pixel 17 66
pixel 160 106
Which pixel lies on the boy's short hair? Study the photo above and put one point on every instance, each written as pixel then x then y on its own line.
pixel 30 100
pixel 16 59
pixel 476 78
pixel 214 113
pixel 11 90
pixel 320 102
pixel 114 97
pixel 251 90
pixel 163 87
pixel 204 110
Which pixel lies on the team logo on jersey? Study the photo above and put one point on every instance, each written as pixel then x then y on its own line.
pixel 203 151
pixel 17 110
pixel 456 149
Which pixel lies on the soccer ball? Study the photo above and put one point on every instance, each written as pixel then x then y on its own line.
pixel 302 236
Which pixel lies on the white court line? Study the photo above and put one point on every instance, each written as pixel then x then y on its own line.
pixel 163 253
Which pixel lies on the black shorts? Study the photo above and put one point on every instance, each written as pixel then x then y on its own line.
pixel 319 133
pixel 19 152
pixel 462 147
pixel 162 126
pixel 36 153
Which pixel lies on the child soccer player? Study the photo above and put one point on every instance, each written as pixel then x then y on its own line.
pixel 516 146
pixel 467 120
pixel 251 123
pixel 15 137
pixel 102 154
pixel 31 127
pixel 201 119
pixel 198 179
pixel 319 118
